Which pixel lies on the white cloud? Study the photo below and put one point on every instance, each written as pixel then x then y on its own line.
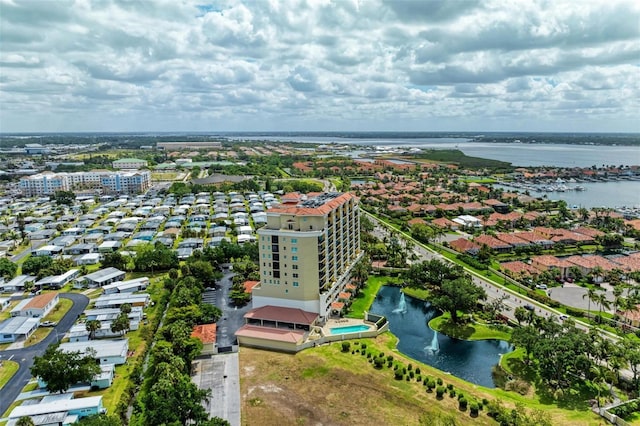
pixel 318 65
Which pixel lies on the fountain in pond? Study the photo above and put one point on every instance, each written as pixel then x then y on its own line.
pixel 402 305
pixel 434 346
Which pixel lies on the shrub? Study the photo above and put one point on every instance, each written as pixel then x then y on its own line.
pixel 418 370
pixel 381 355
pixel 449 386
pixel 473 408
pixel 452 393
pixel 398 375
pixel 346 346
pixel 378 363
pixel 485 401
pixel 404 370
pixel 408 378
pixel 419 378
pixel 363 352
pixel 518 385
pixel 395 367
pixel 439 381
pixel 439 392
pixel 410 367
pixel 411 374
pixel 364 346
pixel 353 352
pixel 431 385
pixel 460 396
pixel 368 354
pixel 390 358
pixel 389 364
pixel 462 403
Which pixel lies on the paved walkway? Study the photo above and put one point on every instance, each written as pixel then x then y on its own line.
pixel 221 374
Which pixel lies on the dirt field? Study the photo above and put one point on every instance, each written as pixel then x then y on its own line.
pixel 323 386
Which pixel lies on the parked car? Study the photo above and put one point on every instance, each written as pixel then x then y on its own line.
pixel 48 324
pixel 529 307
pixel 563 317
pixel 542 286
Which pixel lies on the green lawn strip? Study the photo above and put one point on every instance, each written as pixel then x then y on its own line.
pixel 37 336
pixel 417 293
pixel 387 343
pixel 364 299
pixel 59 311
pixel 468 331
pixel 7 370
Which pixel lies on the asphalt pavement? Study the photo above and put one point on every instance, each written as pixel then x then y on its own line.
pixel 232 316
pixel 34 245
pixel 221 374
pixel 24 357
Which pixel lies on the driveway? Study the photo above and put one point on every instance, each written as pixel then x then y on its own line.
pixel 24 357
pixel 232 316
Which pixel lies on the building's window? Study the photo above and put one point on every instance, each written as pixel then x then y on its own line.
pixel 294 241
pixel 294 249
pixel 296 284
pixel 286 291
pixel 295 275
pixel 294 266
pixel 294 258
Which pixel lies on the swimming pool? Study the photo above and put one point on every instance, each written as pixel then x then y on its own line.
pixel 349 329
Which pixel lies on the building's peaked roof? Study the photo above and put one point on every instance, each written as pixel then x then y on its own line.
pixel 279 313
pixel 41 301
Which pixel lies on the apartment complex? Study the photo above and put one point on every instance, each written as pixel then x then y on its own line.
pixel 307 250
pixel 120 182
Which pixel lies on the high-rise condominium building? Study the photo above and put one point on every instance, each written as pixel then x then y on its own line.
pixel 307 250
pixel 118 182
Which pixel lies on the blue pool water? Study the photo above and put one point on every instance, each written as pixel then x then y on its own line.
pixel 349 329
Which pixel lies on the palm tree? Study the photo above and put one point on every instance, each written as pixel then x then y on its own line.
pixel 591 294
pixel 599 373
pixel 602 301
pixel 92 326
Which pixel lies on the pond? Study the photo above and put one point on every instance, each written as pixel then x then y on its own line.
pixel 408 320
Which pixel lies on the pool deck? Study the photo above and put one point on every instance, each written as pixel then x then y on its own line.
pixel 345 322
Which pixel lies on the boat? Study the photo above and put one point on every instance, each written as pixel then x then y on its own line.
pixel 580 188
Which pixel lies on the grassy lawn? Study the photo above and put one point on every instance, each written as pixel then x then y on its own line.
pixel 59 311
pixel 364 299
pixel 164 175
pixel 6 314
pixel 7 370
pixel 469 331
pixel 417 293
pixel 316 386
pixel 37 336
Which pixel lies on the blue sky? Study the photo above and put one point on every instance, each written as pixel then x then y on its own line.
pixel 172 65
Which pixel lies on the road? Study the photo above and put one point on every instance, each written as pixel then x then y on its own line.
pixel 493 290
pixel 34 245
pixel 24 357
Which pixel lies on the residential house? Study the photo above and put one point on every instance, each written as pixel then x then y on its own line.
pixel 103 277
pixel 36 307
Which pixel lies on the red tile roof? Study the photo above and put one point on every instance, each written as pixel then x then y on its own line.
pixel 249 285
pixel 463 245
pixel 206 333
pixel 281 314
pixel 327 207
pixel 41 301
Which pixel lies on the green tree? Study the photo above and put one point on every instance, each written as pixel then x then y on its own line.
pixel 526 338
pixel 7 268
pixel 99 420
pixel 591 295
pixel 92 326
pixel 35 264
pixel 114 260
pixel 25 421
pixel 121 324
pixel 61 369
pixel 64 197
pixel 458 295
